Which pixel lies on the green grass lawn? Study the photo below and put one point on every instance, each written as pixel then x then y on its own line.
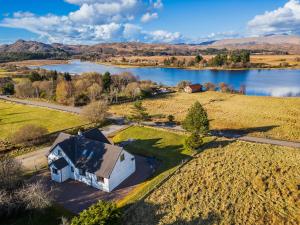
pixel 13 116
pixel 51 216
pixel 166 147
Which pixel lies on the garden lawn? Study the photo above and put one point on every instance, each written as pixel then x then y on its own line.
pixel 166 147
pixel 13 116
pixel 230 182
pixel 268 117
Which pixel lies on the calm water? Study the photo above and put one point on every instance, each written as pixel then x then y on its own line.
pixel 258 82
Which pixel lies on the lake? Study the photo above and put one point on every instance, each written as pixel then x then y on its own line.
pixel 278 83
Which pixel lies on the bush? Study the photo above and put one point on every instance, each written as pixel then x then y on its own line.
pixel 95 112
pixel 171 118
pixel 28 133
pixel 182 84
pixel 8 89
pixel 193 142
pixel 81 100
pixel 104 213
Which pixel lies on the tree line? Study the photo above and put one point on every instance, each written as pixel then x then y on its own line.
pixel 80 90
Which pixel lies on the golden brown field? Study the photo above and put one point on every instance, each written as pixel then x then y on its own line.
pixel 256 116
pixel 38 62
pixel 228 183
pixel 271 60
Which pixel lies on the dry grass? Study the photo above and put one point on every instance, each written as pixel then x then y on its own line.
pixel 271 60
pixel 41 62
pixel 228 183
pixel 257 116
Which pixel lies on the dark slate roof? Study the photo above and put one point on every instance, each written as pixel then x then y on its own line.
pixel 60 163
pixel 96 134
pixel 94 156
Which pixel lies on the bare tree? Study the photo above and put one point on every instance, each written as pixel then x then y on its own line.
pixel 24 89
pixel 10 173
pixel 95 112
pixel 35 196
pixel 28 133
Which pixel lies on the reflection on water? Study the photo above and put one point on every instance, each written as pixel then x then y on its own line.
pixel 257 82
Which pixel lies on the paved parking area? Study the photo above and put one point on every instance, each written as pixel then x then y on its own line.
pixel 76 196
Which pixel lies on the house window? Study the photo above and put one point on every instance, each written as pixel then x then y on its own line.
pixel 100 179
pixel 55 171
pixel 122 157
pixel 81 172
pixel 72 169
pixel 59 152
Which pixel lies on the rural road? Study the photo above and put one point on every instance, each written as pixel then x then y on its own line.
pixel 119 120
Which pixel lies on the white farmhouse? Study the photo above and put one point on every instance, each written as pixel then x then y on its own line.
pixel 89 157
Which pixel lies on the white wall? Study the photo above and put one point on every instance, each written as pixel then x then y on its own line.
pixel 122 170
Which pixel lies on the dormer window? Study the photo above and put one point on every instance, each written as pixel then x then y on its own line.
pixel 122 157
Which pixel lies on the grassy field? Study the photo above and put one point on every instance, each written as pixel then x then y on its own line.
pixel 228 183
pixel 166 147
pixel 13 116
pixel 256 116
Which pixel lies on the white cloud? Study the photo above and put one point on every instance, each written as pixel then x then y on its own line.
pixel 165 36
pixel 285 19
pixel 95 21
pixel 148 17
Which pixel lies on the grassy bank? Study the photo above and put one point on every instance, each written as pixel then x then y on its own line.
pixel 228 183
pixel 256 116
pixel 165 146
pixel 13 116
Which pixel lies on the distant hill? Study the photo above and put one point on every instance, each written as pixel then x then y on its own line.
pixel 273 44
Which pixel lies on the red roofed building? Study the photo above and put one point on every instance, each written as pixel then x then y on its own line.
pixel 193 88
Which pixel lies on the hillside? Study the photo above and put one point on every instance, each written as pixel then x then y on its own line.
pixel 271 45
pixel 228 183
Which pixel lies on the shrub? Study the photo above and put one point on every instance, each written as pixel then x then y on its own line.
pixel 28 133
pixel 8 89
pixel 182 84
pixel 209 86
pixel 81 100
pixel 95 112
pixel 139 112
pixel 193 142
pixel 104 213
pixel 196 120
pixel 171 118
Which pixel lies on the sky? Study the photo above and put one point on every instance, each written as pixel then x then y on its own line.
pixel 151 21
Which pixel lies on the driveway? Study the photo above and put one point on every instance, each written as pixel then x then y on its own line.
pixel 76 196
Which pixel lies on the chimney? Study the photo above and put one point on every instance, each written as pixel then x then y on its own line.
pixel 79 133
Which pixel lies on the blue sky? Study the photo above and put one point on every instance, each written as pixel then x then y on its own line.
pixel 171 21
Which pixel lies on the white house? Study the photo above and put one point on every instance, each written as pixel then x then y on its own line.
pixel 89 157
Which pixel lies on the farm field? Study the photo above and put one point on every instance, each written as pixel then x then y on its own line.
pixel 166 147
pixel 256 116
pixel 13 116
pixel 228 183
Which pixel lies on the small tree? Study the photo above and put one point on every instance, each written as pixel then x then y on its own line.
pixel 198 58
pixel 196 120
pixel 28 133
pixel 81 100
pixel 8 89
pixel 193 142
pixel 106 78
pixel 171 118
pixel 95 112
pixel 139 112
pixel 104 213
pixel 182 84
